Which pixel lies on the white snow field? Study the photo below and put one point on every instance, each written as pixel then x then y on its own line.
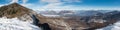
pixel 115 26
pixel 15 24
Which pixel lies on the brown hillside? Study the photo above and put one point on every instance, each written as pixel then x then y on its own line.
pixel 13 10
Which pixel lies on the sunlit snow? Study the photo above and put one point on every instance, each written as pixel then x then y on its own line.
pixel 115 26
pixel 15 24
pixel 51 15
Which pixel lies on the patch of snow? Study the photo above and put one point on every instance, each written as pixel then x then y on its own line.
pixel 16 24
pixel 97 20
pixel 115 26
pixel 51 15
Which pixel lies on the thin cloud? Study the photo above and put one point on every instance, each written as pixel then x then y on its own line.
pixel 1 5
pixel 14 1
pixel 71 1
pixel 56 4
pixel 50 1
pixel 25 1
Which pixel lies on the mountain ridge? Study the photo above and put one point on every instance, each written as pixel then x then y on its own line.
pixel 13 10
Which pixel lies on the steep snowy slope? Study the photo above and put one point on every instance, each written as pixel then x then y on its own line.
pixel 15 24
pixel 115 26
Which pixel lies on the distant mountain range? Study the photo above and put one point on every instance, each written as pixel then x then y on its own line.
pixel 77 12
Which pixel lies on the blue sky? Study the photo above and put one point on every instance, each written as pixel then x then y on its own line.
pixel 66 4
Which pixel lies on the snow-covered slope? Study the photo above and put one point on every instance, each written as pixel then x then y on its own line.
pixel 15 24
pixel 115 26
